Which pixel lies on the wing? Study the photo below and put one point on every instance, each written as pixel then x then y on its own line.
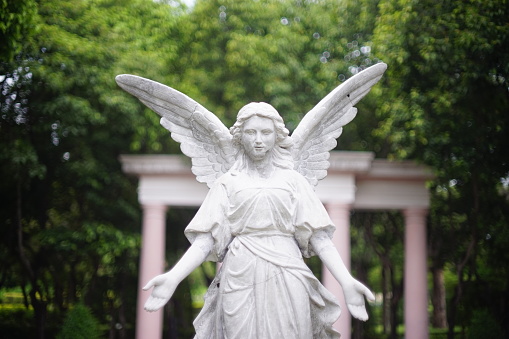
pixel 316 134
pixel 203 137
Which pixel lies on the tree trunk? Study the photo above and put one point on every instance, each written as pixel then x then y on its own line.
pixel 387 297
pixel 453 309
pixel 439 318
pixel 458 292
pixel 40 310
pixel 35 293
pixel 358 325
pixel 397 294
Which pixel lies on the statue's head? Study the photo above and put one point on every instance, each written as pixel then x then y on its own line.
pixel 280 152
pixel 264 110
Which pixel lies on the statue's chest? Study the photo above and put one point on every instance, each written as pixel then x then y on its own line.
pixel 267 193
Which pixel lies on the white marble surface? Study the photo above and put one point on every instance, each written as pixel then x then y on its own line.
pixel 261 215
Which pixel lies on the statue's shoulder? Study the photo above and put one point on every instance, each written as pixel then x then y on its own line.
pixel 292 175
pixel 227 177
pixel 231 177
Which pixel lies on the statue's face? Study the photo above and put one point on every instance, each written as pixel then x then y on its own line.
pixel 258 137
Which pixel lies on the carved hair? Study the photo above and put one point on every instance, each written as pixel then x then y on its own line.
pixel 280 154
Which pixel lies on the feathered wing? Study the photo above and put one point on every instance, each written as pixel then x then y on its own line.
pixel 316 134
pixel 203 137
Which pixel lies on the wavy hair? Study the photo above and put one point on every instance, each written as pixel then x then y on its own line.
pixel 281 156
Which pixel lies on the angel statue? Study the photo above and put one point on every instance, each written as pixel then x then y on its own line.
pixel 261 215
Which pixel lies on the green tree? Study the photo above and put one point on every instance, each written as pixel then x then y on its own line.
pixel 70 215
pixel 288 53
pixel 18 20
pixel 377 257
pixel 443 101
pixel 447 80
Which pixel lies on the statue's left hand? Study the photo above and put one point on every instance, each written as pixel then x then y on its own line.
pixel 354 296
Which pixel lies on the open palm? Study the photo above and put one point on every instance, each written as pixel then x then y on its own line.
pixel 354 297
pixel 164 287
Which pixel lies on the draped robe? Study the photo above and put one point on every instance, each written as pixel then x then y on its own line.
pixel 261 230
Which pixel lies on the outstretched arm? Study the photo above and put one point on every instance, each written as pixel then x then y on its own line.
pixel 353 290
pixel 165 284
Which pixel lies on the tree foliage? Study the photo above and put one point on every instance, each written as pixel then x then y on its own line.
pixel 287 53
pixel 18 19
pixel 70 220
pixel 448 82
pixel 70 216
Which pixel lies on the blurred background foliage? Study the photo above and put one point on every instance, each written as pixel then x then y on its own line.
pixel 70 220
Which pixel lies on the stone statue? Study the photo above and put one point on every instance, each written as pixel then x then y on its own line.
pixel 261 215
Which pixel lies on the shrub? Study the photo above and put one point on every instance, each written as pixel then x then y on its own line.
pixel 80 323
pixel 483 326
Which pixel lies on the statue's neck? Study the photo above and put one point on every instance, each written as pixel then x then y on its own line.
pixel 262 168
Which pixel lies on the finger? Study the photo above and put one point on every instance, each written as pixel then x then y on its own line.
pixel 358 312
pixel 152 283
pixel 369 295
pixel 153 304
pixel 149 285
pixel 160 303
pixel 151 308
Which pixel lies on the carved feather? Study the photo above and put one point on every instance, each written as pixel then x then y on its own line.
pixel 202 136
pixel 316 134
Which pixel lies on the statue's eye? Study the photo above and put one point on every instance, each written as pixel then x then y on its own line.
pixel 267 132
pixel 249 132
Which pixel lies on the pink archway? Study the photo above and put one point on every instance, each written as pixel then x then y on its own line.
pixel 355 181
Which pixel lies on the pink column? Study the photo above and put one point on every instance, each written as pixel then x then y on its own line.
pixel 150 325
pixel 340 216
pixel 416 283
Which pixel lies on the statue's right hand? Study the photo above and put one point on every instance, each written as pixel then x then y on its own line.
pixel 164 285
